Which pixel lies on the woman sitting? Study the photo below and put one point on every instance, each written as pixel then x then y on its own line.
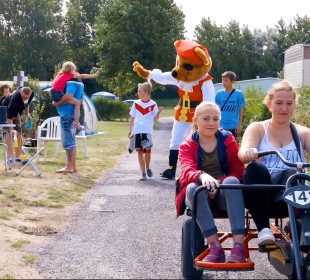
pixel 272 134
pixel 209 157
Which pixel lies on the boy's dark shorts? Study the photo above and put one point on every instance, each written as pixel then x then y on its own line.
pixel 140 142
pixel 56 95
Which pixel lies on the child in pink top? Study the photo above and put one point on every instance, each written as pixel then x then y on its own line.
pixel 59 97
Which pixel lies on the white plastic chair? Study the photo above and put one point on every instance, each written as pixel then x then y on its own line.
pixel 50 130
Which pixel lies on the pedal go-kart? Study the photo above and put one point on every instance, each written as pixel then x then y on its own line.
pixel 290 255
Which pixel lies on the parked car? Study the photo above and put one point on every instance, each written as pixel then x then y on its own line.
pixel 104 94
pixel 129 102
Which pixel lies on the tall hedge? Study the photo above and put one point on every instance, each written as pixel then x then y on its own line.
pixel 255 110
pixel 111 110
pixel 303 107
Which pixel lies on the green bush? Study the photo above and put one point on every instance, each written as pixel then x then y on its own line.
pixel 255 110
pixel 111 110
pixel 167 103
pixel 40 108
pixel 303 106
pixel 43 100
pixel 34 84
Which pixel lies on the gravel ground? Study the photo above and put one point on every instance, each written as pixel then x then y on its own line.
pixel 127 229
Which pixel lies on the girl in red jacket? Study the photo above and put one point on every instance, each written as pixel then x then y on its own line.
pixel 210 157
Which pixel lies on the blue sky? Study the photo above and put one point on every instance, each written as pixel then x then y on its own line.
pixel 255 14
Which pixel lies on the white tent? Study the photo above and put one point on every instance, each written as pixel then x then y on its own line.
pixel 104 94
pixel 90 114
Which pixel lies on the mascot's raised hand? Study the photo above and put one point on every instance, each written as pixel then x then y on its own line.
pixel 190 75
pixel 138 68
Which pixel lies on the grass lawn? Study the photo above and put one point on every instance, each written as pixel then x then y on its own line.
pixel 53 190
pixel 168 104
pixel 167 112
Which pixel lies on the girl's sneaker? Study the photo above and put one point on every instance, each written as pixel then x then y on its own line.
pixel 149 173
pixel 10 161
pixel 265 236
pixel 18 160
pixel 216 254
pixel 237 254
pixel 143 178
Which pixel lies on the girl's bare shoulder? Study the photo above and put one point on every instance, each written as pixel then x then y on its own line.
pixel 257 126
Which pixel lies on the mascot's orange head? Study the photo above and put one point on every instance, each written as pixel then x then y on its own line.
pixel 192 61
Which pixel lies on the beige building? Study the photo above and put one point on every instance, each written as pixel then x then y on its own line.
pixel 297 65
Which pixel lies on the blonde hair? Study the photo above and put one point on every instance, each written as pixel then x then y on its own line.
pixel 146 87
pixel 68 67
pixel 280 86
pixel 203 106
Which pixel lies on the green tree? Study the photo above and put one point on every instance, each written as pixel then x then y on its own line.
pixel 79 36
pixel 4 63
pixel 247 67
pixel 233 47
pixel 211 36
pixel 298 31
pixel 142 30
pixel 239 55
pixel 31 31
pixel 230 47
pixel 79 31
pixel 270 50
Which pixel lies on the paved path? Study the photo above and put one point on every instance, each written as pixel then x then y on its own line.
pixel 126 229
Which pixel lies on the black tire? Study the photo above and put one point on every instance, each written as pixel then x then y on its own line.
pixel 288 231
pixel 287 228
pixel 187 260
pixel 307 273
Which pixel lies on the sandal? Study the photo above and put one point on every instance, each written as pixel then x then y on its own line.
pixel 77 125
pixel 64 171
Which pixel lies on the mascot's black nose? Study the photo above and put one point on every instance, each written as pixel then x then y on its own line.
pixel 174 74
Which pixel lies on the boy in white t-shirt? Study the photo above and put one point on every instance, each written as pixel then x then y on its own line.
pixel 143 114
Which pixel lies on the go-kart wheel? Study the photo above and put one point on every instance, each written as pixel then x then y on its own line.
pixel 187 260
pixel 287 228
pixel 306 262
pixel 307 274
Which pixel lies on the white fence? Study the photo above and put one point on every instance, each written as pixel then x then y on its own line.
pixel 263 84
pixel 41 83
